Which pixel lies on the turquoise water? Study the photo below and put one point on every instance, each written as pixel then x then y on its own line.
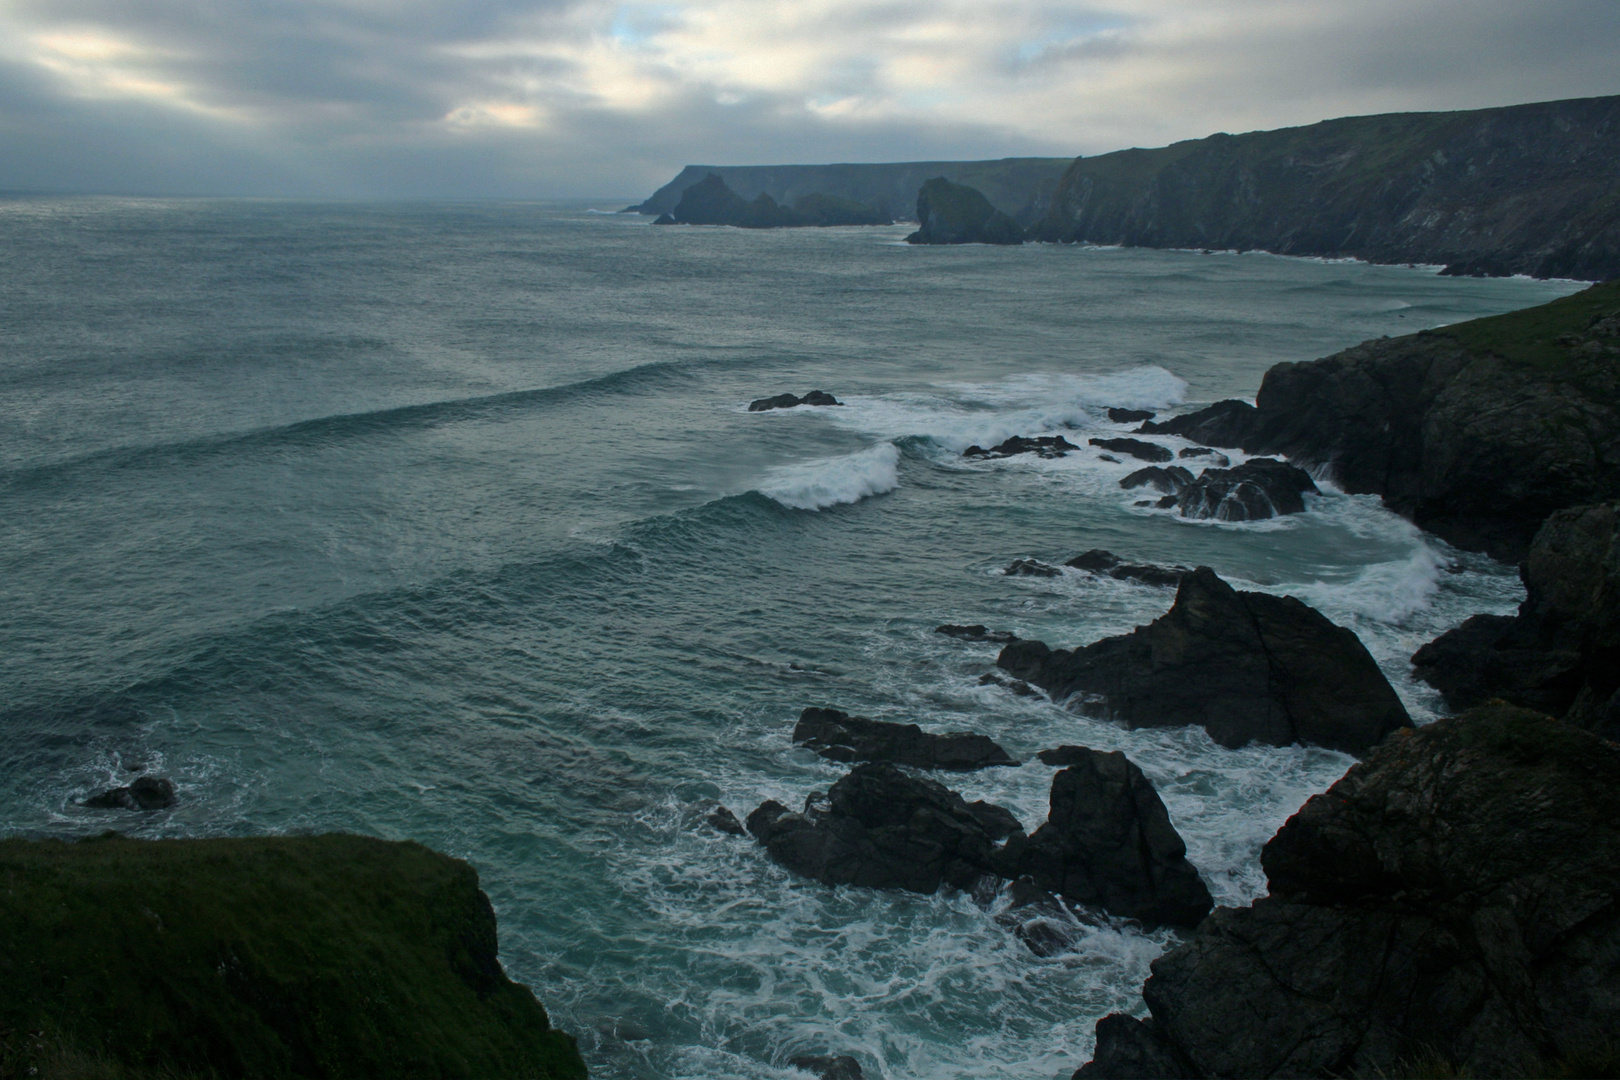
pixel 449 523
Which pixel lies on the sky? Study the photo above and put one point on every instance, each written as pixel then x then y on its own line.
pixel 535 99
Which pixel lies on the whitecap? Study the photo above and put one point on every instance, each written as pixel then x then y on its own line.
pixel 814 485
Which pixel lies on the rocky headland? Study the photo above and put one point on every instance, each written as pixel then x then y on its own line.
pixel 711 202
pixel 950 213
pixel 312 956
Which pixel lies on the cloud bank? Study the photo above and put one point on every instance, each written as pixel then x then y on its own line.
pixel 550 98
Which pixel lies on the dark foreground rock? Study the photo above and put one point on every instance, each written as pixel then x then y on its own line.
pixel 1561 653
pixel 881 828
pixel 1166 481
pixel 1130 416
pixel 311 956
pixel 1450 904
pixel 1258 489
pixel 1108 843
pixel 976 632
pixel 1476 431
pixel 1098 561
pixel 950 213
pixel 1046 446
pixel 723 819
pixel 1136 448
pixel 838 736
pixel 1247 667
pixel 146 793
pixel 789 401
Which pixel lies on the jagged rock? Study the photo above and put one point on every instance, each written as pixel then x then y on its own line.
pixel 827 1067
pixel 711 202
pixel 723 819
pixel 1108 843
pixel 1061 756
pixel 1046 446
pixel 1166 481
pixel 881 829
pixel 1247 667
pixel 1135 448
pixel 1221 460
pixel 1259 488
pixel 950 213
pixel 665 219
pixel 1561 653
pixel 1040 920
pixel 976 632
pixel 1450 901
pixel 1017 686
pixel 1098 561
pixel 1225 423
pixel 1031 568
pixel 837 736
pixel 1130 416
pixel 788 401
pixel 145 793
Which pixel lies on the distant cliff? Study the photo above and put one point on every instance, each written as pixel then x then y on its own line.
pixel 957 214
pixel 1527 189
pixel 711 202
pixel 1019 187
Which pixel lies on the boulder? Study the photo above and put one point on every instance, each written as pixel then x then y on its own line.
pixel 146 793
pixel 950 213
pixel 1108 843
pixel 1017 686
pixel 838 736
pixel 1136 448
pixel 723 819
pixel 789 401
pixel 1225 423
pixel 883 829
pixel 1561 653
pixel 1448 906
pixel 976 632
pixel 1098 561
pixel 1165 481
pixel 1221 460
pixel 1247 667
pixel 1046 446
pixel 1031 568
pixel 1130 416
pixel 1259 488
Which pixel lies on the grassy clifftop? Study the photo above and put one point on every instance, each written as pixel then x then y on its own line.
pixel 331 956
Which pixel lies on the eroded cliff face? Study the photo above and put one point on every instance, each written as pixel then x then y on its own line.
pixel 1528 189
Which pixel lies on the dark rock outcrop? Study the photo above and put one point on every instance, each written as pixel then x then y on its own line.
pixel 976 632
pixel 1046 446
pixel 1165 481
pixel 711 202
pixel 950 213
pixel 1561 653
pixel 723 819
pixel 838 736
pixel 1017 686
pixel 1031 568
pixel 1136 448
pixel 1098 561
pixel 1130 416
pixel 1108 843
pixel 789 401
pixel 828 1067
pixel 1526 189
pixel 1475 431
pixel 1247 667
pixel 1451 902
pixel 1257 489
pixel 882 829
pixel 145 793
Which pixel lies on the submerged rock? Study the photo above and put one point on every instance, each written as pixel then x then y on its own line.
pixel 1017 686
pixel 838 736
pixel 1253 491
pixel 1098 561
pixel 975 632
pixel 723 819
pixel 827 1067
pixel 1130 416
pixel 950 213
pixel 1046 446
pixel 145 793
pixel 1449 904
pixel 1247 667
pixel 789 401
pixel 1031 568
pixel 1136 448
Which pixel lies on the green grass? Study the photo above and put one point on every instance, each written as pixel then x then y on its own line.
pixel 332 956
pixel 1531 336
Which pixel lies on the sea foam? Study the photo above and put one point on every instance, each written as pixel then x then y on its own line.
pixel 823 482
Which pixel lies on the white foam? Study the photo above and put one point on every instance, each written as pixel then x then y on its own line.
pixel 814 485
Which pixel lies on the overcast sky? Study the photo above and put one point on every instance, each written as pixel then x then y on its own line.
pixel 546 98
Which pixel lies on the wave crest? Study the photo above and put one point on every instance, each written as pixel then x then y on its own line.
pixel 814 485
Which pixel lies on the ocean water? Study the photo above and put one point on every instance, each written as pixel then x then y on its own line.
pixel 449 523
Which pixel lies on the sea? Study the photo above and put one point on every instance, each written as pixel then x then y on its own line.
pixel 449 522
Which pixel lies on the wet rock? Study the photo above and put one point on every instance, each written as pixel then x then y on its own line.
pixel 1167 481
pixel 724 820
pixel 883 829
pixel 842 1067
pixel 1130 416
pixel 1108 843
pixel 789 401
pixel 1108 457
pixel 1065 755
pixel 1561 653
pixel 1017 686
pixel 837 736
pixel 1045 446
pixel 1450 901
pixel 1040 920
pixel 1247 667
pixel 1258 489
pixel 1136 448
pixel 1225 423
pixel 975 632
pixel 1031 568
pixel 1098 561
pixel 1220 460
pixel 144 793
